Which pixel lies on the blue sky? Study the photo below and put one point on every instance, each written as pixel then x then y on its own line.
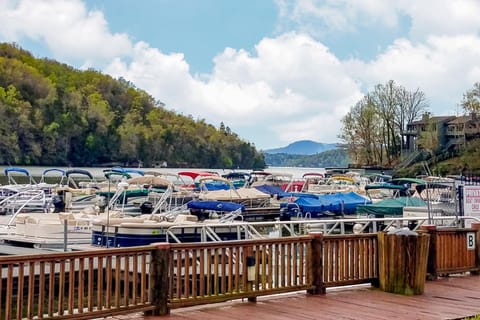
pixel 274 71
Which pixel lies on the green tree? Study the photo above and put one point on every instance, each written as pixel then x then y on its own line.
pixel 471 99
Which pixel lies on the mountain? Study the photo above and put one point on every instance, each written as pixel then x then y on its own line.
pixel 303 147
pixel 330 158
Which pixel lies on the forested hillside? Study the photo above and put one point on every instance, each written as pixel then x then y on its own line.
pixel 331 158
pixel 53 114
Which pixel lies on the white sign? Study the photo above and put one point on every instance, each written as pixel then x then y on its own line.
pixel 470 240
pixel 471 202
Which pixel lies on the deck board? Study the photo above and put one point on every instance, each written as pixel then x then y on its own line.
pixel 453 297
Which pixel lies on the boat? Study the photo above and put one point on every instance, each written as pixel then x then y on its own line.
pixel 28 196
pixel 48 230
pixel 335 184
pixel 284 181
pixel 238 178
pixel 311 206
pixel 198 221
pixel 259 204
pixel 12 173
pixel 190 178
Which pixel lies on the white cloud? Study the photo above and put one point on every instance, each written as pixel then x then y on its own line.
pixel 66 27
pixel 290 86
pixel 318 17
pixel 443 17
pixel 443 67
pixel 291 78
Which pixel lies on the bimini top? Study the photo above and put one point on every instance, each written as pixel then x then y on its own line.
pixel 79 171
pixel 215 205
pixel 18 170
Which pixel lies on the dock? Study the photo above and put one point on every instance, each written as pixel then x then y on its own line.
pixel 454 297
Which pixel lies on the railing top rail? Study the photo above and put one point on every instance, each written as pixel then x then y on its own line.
pixel 246 242
pixel 53 256
pixel 325 221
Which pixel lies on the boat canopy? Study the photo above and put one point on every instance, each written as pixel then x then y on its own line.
pixel 47 171
pixel 127 170
pixel 407 181
pixel 215 205
pixel 194 174
pixel 390 206
pixel 385 185
pixel 337 203
pixel 78 171
pixel 18 170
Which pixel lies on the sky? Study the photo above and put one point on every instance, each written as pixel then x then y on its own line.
pixel 273 71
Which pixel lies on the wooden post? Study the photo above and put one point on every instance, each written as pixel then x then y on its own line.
pixel 432 251
pixel 403 262
pixel 251 272
pixel 316 264
pixel 476 227
pixel 159 276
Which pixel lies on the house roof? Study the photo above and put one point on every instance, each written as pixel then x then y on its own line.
pixel 436 119
pixel 461 119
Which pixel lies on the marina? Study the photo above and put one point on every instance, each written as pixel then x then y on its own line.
pixel 114 254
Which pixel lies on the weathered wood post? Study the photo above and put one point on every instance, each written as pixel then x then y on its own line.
pixel 316 264
pixel 476 226
pixel 251 275
pixel 432 251
pixel 403 261
pixel 159 276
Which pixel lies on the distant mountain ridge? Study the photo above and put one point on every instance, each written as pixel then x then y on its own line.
pixel 303 147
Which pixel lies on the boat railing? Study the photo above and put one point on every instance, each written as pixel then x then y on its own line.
pixel 171 214
pixel 231 216
pixel 269 229
pixel 116 196
pixel 22 200
pixel 165 201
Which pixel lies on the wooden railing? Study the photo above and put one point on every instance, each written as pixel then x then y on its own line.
pixel 202 273
pixel 350 259
pixel 450 251
pixel 80 285
pixel 159 277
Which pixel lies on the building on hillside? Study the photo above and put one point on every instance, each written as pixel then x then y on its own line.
pixel 448 133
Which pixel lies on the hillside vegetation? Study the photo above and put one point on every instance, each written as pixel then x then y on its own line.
pixel 331 158
pixel 53 114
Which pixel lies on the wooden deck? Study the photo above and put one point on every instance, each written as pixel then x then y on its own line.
pixel 453 297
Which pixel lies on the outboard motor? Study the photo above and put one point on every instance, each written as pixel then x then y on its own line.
pixel 58 203
pixel 284 214
pixel 146 207
pixel 101 203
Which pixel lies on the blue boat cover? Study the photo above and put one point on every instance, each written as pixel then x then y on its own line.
pixel 215 205
pixel 337 203
pixel 212 186
pixel 297 195
pixel 269 189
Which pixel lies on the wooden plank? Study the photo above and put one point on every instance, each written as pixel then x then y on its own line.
pixel 455 297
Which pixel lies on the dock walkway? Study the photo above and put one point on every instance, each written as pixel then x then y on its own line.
pixel 454 297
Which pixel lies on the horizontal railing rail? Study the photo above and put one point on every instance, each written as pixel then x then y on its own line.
pixel 350 259
pixel 80 285
pixel 213 272
pixel 453 250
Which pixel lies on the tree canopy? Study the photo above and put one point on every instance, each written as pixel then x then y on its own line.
pixel 372 129
pixel 53 114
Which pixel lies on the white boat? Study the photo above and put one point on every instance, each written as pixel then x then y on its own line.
pixel 48 230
